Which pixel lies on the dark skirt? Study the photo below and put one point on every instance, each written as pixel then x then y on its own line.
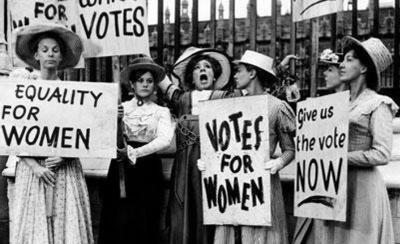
pixel 136 218
pixel 185 210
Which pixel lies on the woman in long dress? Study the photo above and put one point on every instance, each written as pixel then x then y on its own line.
pixel 147 129
pixel 330 62
pixel 255 73
pixel 51 202
pixel 202 73
pixel 368 218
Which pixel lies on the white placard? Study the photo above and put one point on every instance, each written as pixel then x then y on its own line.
pixel 113 28
pixel 321 157
pixel 307 9
pixel 56 118
pixel 234 142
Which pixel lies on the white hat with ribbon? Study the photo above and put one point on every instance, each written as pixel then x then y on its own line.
pixel 259 60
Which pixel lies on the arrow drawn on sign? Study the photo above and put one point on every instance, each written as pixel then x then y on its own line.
pixel 327 201
pixel 313 4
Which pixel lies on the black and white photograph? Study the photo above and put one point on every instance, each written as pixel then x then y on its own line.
pixel 199 122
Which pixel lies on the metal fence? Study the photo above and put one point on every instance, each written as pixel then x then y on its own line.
pixel 273 35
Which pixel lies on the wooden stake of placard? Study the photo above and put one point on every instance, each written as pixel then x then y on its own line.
pixel 120 137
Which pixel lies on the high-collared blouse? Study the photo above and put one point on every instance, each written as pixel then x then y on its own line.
pixel 370 129
pixel 148 123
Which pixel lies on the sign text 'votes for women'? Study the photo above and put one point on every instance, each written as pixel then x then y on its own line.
pixel 321 157
pixel 55 118
pixel 234 145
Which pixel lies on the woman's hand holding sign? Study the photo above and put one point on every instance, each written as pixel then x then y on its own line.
pixel 201 165
pixel 275 165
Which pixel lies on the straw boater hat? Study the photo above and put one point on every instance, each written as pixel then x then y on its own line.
pixel 26 43
pixel 179 68
pixel 143 63
pixel 328 57
pixel 261 61
pixel 376 50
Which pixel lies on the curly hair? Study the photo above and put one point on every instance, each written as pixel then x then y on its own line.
pixel 215 65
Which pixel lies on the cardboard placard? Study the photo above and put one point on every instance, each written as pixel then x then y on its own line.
pixel 113 28
pixel 234 142
pixel 321 157
pixel 307 9
pixel 56 118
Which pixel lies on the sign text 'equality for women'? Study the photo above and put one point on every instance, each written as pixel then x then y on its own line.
pixel 234 145
pixel 54 118
pixel 321 157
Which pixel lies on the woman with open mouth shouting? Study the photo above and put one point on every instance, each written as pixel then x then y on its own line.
pixel 202 73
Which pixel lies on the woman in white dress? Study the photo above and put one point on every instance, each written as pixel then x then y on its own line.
pixel 51 202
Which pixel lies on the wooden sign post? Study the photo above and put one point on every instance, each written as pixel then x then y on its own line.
pixel 321 157
pixel 234 144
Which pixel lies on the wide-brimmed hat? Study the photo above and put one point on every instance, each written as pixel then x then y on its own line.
pixel 376 50
pixel 180 66
pixel 259 60
pixel 26 38
pixel 143 63
pixel 328 57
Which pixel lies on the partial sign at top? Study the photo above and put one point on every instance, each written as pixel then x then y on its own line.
pixel 307 9
pixel 113 27
pixel 107 28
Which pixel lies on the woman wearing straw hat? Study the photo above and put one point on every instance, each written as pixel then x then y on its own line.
pixel 368 218
pixel 147 129
pixel 255 73
pixel 51 203
pixel 202 74
pixel 330 62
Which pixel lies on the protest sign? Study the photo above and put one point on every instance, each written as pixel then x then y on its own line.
pixel 321 157
pixel 234 142
pixel 54 118
pixel 307 9
pixel 114 27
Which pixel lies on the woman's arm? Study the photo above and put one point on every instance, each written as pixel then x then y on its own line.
pixel 382 134
pixel 171 91
pixel 165 133
pixel 285 128
pixel 48 176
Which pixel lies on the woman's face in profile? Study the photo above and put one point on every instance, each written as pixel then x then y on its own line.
pixel 48 54
pixel 144 86
pixel 351 68
pixel 332 76
pixel 203 75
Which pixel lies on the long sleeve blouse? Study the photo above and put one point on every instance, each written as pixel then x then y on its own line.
pixel 370 129
pixel 148 123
